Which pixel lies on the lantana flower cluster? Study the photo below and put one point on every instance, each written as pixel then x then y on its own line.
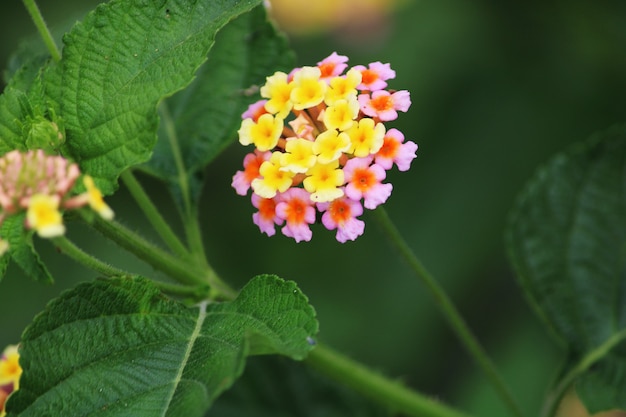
pixel 41 185
pixel 10 372
pixel 321 147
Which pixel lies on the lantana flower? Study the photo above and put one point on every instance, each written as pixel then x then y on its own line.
pixel 43 186
pixel 321 146
pixel 364 181
pixel 296 208
pixel 385 105
pixel 266 217
pixel 375 76
pixel 394 151
pixel 242 180
pixel 10 372
pixel 341 214
pixel 332 66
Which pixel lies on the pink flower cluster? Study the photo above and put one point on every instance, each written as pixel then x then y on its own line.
pixel 40 185
pixel 321 147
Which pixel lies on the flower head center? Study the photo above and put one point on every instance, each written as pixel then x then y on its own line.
pixel 267 208
pixel 389 148
pixel 340 211
pixel 364 179
pixel 382 103
pixel 327 69
pixel 296 211
pixel 368 76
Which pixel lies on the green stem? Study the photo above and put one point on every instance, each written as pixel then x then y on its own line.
pixel 170 131
pixel 146 251
pixel 448 309
pixel 185 272
pixel 46 36
pixel 197 293
pixel 554 399
pixel 194 237
pixel 190 215
pixel 152 214
pixel 375 386
pixel 70 249
pixel 190 218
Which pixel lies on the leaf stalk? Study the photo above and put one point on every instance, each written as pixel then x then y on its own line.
pixel 44 32
pixel 153 215
pixel 554 399
pixel 376 386
pixel 70 249
pixel 450 312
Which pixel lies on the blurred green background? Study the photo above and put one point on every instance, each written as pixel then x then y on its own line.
pixel 497 89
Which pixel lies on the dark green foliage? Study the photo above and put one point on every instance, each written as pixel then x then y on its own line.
pixel 567 240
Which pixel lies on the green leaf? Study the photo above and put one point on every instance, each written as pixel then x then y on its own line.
pixel 206 115
pixel 273 386
pixel 567 241
pixel 120 348
pixel 118 64
pixel 17 103
pixel 21 249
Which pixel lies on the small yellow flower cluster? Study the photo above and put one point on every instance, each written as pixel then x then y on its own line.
pixel 40 184
pixel 10 372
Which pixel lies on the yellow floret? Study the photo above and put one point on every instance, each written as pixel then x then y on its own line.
pixel 330 145
pixel 10 369
pixel 343 88
pixel 264 134
pixel 278 91
pixel 366 137
pixel 299 156
pixel 96 202
pixel 323 182
pixel 273 180
pixel 308 90
pixel 43 215
pixel 341 114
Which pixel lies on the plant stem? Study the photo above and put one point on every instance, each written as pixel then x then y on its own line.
pixel 152 214
pixel 146 251
pixel 194 237
pixel 187 272
pixel 554 399
pixel 46 36
pixel 170 130
pixel 190 217
pixel 373 385
pixel 448 309
pixel 70 249
pixel 196 293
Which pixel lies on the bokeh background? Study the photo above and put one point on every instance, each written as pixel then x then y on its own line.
pixel 497 88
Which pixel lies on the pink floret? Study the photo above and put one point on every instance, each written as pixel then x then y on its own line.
pixel 333 65
pixel 384 105
pixel 341 214
pixel 375 76
pixel 266 217
pixel 255 110
pixel 395 151
pixel 296 208
pixel 364 181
